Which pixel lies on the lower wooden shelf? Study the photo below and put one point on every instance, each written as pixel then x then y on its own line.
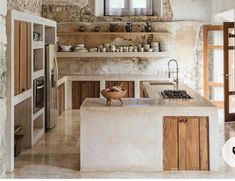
pixel 113 54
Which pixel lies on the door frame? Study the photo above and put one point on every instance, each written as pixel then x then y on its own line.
pixel 229 117
pixel 206 48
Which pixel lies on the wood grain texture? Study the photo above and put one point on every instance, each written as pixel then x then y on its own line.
pixel 82 90
pixel 207 49
pixel 16 58
pixel 170 143
pixel 61 98
pixel 182 144
pixel 192 144
pixel 29 56
pixel 23 56
pixel 126 85
pixel 204 143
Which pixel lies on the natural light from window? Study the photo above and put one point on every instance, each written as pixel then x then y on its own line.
pixel 139 3
pixel 117 3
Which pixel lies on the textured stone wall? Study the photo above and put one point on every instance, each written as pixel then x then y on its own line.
pixel 186 45
pixel 3 42
pixel 31 6
pixel 84 11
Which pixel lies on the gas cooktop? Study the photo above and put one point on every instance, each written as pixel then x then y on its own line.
pixel 175 94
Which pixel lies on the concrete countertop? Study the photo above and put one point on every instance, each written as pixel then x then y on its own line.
pixel 154 99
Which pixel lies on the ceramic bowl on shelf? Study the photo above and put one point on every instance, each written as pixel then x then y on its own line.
pixel 66 48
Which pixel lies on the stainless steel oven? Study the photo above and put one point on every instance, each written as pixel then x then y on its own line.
pixel 38 94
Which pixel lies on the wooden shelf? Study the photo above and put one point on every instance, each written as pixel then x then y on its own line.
pixel 112 54
pixel 111 33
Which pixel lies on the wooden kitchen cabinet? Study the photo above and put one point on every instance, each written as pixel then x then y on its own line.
pixel 22 57
pixel 61 98
pixel 186 143
pixel 127 85
pixel 82 90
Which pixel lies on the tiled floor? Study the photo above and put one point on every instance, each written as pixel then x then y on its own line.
pixel 57 156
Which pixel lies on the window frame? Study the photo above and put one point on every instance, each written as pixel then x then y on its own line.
pixel 128 10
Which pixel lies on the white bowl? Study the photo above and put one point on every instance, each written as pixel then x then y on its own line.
pixel 66 47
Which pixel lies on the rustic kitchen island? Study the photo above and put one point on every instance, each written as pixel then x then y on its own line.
pixel 151 134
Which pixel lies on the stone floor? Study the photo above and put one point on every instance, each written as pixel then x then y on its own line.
pixel 56 155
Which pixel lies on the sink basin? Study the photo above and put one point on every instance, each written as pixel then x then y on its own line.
pixel 162 83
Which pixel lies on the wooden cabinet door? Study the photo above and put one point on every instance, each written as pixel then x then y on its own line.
pixel 170 146
pixel 186 143
pixel 82 90
pixel 127 85
pixel 191 145
pixel 22 56
pixel 61 98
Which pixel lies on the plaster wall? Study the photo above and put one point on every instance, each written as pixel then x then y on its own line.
pixel 3 42
pixel 191 10
pixel 219 6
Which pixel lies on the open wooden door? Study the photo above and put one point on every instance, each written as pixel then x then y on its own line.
pixel 229 71
pixel 213 64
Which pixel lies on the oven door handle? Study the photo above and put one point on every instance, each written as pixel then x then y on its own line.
pixel 40 87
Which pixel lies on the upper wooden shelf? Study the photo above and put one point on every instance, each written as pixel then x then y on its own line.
pixel 112 33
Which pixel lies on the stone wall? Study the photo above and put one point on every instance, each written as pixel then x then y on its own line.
pixel 30 6
pixel 84 11
pixel 186 42
pixel 3 42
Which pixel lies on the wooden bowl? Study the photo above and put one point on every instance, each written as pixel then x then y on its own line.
pixel 109 95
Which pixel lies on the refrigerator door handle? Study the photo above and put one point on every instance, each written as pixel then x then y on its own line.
pixel 56 72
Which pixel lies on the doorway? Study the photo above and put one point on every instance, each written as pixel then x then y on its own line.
pixel 229 72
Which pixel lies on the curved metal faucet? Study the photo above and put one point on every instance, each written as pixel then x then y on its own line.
pixel 176 80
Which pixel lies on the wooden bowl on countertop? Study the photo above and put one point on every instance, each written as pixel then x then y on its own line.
pixel 109 95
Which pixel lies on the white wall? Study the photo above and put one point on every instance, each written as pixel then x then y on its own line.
pixel 219 6
pixel 192 10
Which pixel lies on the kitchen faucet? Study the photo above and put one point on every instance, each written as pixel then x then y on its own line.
pixel 176 80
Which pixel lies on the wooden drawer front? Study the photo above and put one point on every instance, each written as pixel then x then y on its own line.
pixel 127 85
pixel 82 90
pixel 186 143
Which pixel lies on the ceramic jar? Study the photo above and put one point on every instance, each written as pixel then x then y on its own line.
pixel 128 27
pixel 113 27
pixel 148 27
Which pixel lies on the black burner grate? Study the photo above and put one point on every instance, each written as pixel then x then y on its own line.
pixel 175 94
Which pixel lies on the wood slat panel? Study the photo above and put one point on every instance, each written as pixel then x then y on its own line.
pixel 182 144
pixel 82 90
pixel 204 143
pixel 61 98
pixel 192 144
pixel 17 58
pixel 23 56
pixel 29 56
pixel 170 143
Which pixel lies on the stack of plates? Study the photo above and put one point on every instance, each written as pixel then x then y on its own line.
pixel 165 46
pixel 155 46
pixel 80 48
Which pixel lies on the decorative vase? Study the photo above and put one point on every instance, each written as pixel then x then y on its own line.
pixel 128 27
pixel 148 27
pixel 113 27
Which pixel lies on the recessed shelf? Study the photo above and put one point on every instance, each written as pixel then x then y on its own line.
pixel 38 59
pixel 112 33
pixel 113 54
pixel 38 74
pixel 38 44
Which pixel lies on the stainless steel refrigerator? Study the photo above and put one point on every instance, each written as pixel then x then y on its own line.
pixel 51 77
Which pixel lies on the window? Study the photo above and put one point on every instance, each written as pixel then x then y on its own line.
pixel 128 7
